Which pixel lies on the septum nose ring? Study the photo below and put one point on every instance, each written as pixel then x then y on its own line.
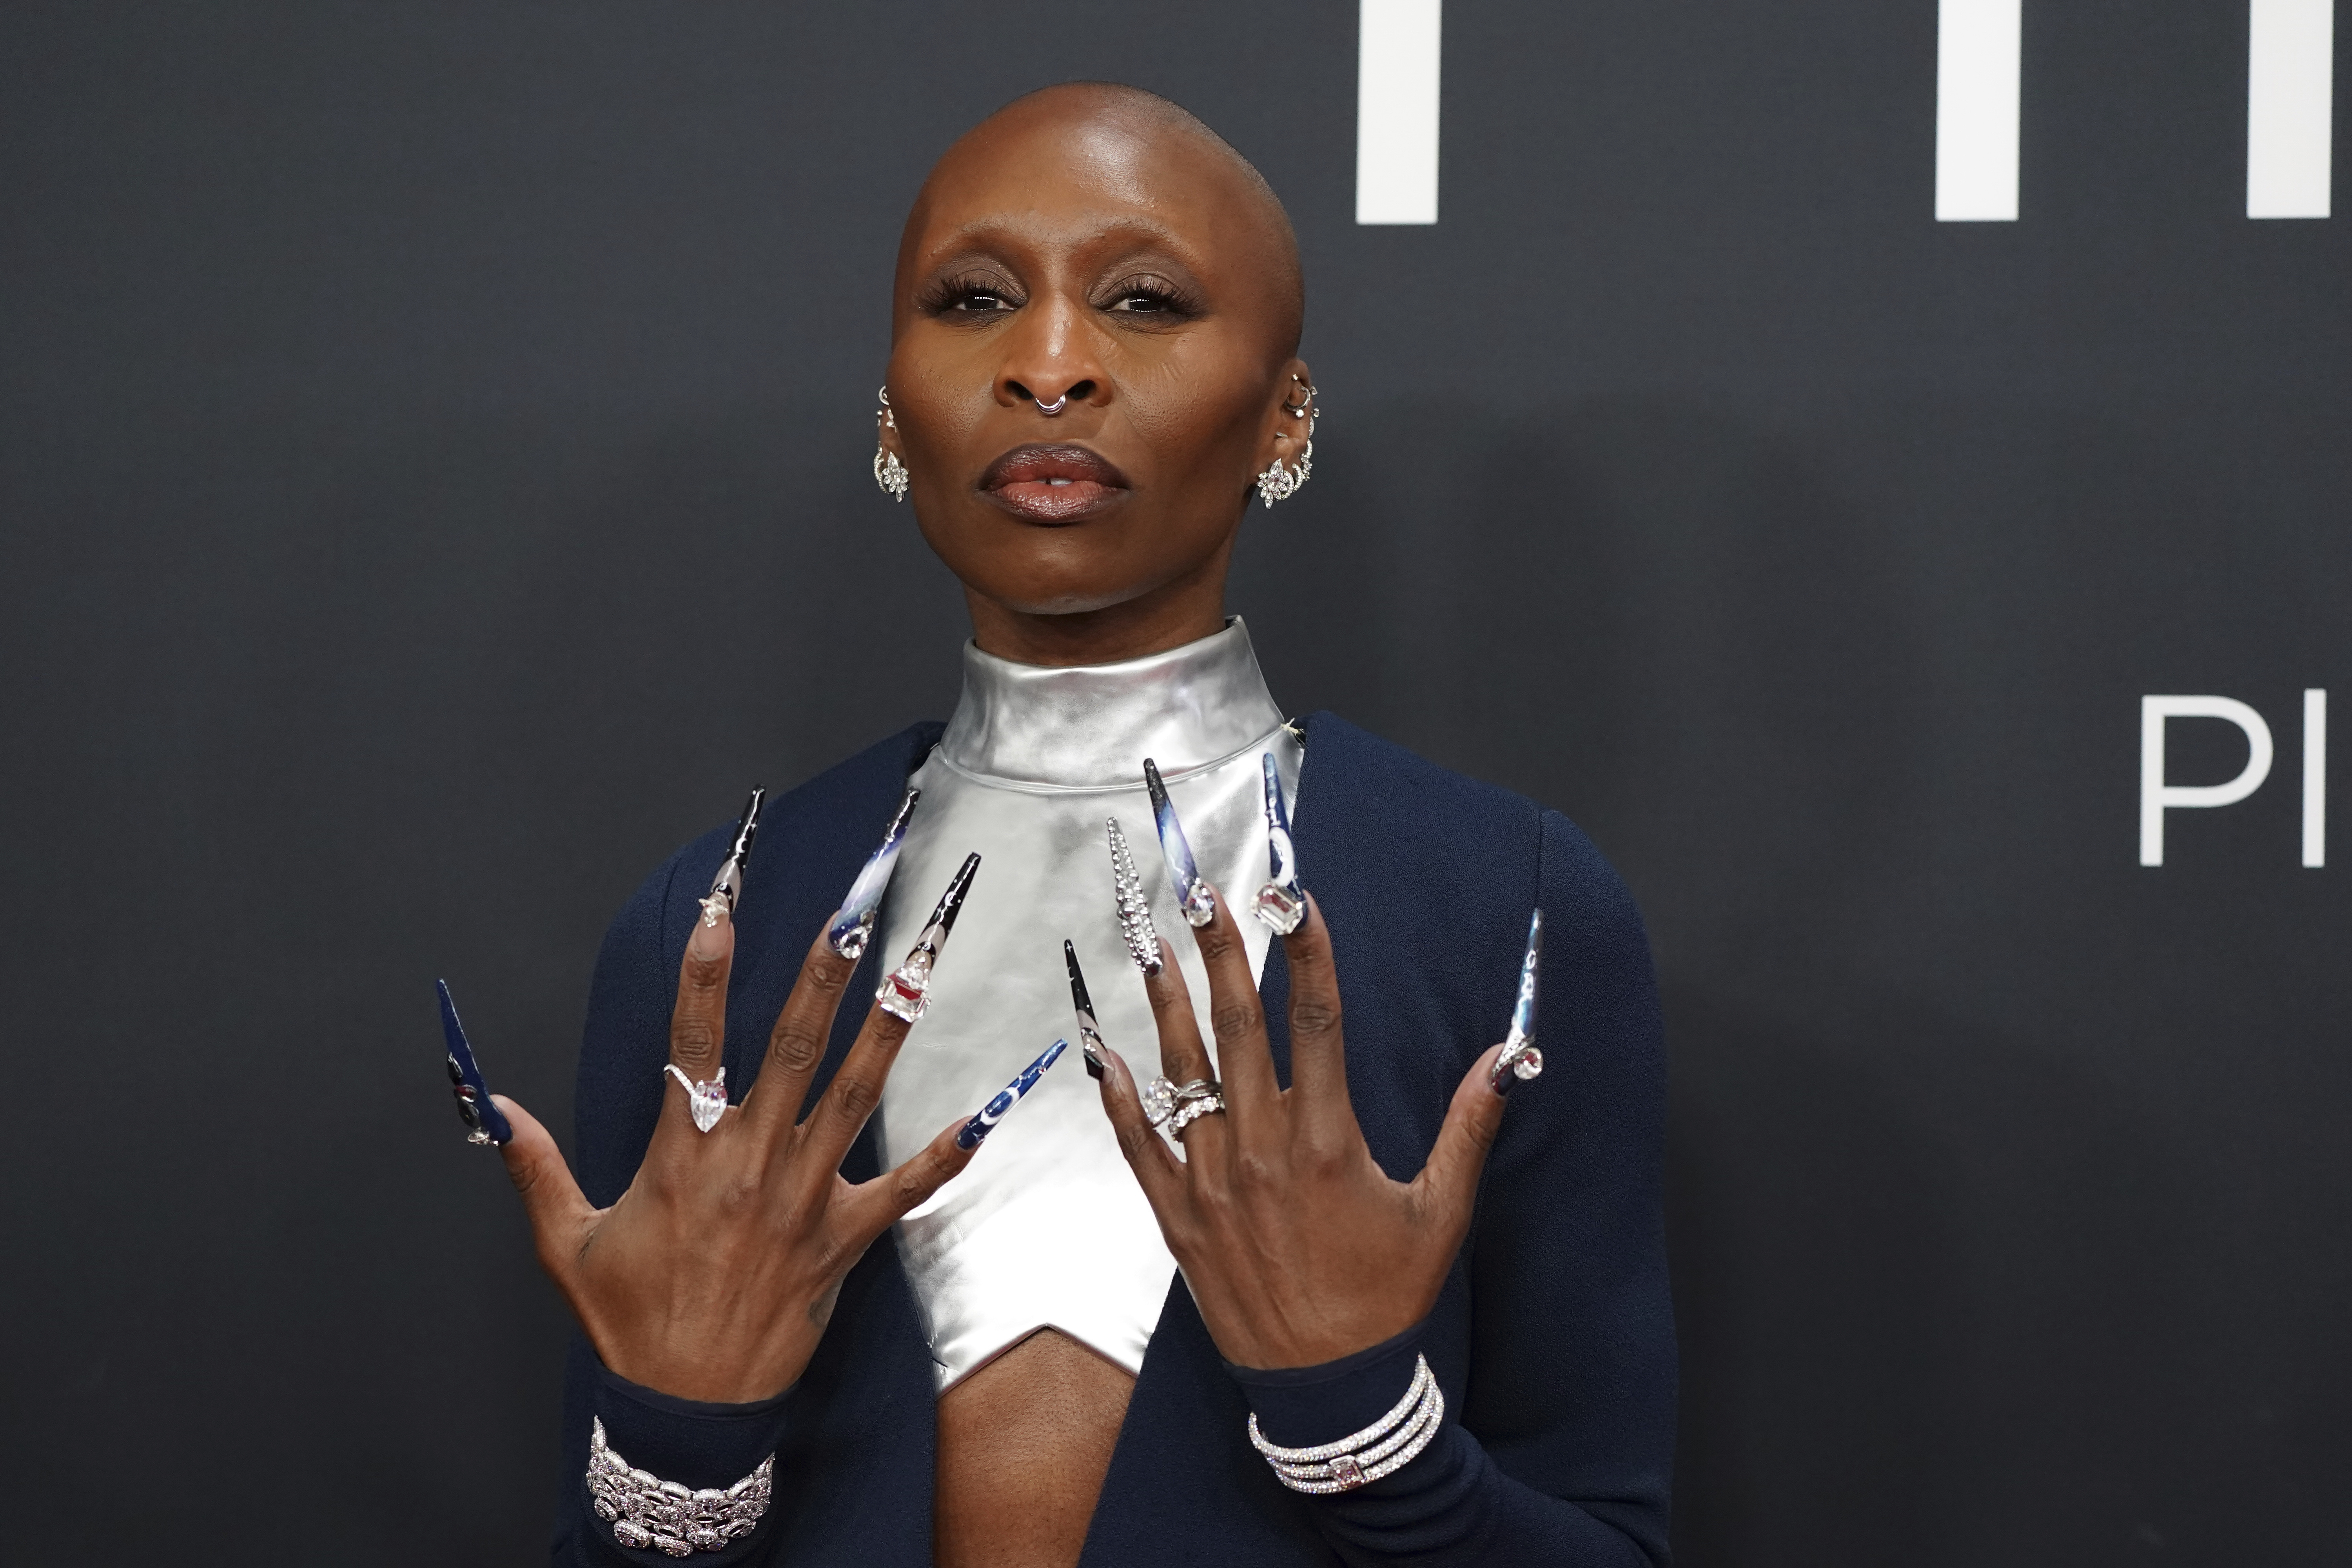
pixel 1050 409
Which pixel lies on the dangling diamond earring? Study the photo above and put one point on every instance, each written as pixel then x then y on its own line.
pixel 889 471
pixel 1279 483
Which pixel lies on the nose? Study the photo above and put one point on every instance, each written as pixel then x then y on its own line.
pixel 1049 362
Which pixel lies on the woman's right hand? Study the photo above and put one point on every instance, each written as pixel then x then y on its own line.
pixel 713 1276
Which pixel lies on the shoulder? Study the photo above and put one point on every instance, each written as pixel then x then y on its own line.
pixel 1476 840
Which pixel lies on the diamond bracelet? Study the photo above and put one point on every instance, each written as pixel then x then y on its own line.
pixel 653 1514
pixel 1382 1449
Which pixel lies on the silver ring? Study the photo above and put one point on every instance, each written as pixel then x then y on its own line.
pixel 1191 1111
pixel 707 1101
pixel 1050 409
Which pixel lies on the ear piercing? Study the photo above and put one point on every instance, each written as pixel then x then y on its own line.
pixel 889 471
pixel 906 991
pixel 1519 1059
pixel 1279 483
pixel 728 885
pixel 1192 894
pixel 484 1122
pixel 1134 908
pixel 1282 902
pixel 851 925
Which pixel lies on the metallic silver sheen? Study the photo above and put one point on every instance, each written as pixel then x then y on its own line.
pixel 654 1515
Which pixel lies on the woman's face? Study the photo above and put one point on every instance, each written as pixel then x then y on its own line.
pixel 1072 251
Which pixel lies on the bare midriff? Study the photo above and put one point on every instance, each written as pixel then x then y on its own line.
pixel 1023 1445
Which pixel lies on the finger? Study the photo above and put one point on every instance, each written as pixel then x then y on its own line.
pixel 1449 1180
pixel 850 1098
pixel 1157 1169
pixel 698 1024
pixel 1237 1019
pixel 1318 1060
pixel 1182 1056
pixel 561 1215
pixel 872 1207
pixel 796 1044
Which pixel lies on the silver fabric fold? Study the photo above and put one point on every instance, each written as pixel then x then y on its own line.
pixel 1047 1227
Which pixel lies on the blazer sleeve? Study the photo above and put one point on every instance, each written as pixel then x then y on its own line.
pixel 695 1445
pixel 1559 1448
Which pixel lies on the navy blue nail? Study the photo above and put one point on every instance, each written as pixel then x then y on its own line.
pixel 1518 1059
pixel 979 1126
pixel 484 1122
pixel 1282 902
pixel 1090 1040
pixel 851 925
pixel 1192 895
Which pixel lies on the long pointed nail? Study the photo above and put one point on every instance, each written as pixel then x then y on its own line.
pixel 1192 894
pixel 851 926
pixel 1090 1040
pixel 1282 902
pixel 1134 908
pixel 906 991
pixel 979 1126
pixel 484 1122
pixel 728 885
pixel 1518 1059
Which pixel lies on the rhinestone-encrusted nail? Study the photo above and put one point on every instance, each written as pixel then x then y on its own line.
pixel 1134 908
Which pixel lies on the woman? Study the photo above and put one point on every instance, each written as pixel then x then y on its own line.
pixel 1096 312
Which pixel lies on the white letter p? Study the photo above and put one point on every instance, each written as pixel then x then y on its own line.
pixel 2155 794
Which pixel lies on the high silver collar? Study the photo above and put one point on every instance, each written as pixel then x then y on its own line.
pixel 1090 727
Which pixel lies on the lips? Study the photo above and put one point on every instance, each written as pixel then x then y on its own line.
pixel 1052 484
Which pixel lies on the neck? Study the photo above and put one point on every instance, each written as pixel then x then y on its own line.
pixel 1174 613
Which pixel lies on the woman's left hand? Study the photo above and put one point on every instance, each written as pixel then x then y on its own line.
pixel 1297 1246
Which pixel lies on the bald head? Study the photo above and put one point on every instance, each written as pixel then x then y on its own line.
pixel 1139 149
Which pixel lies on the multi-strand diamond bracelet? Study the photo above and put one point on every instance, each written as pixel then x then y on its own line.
pixel 1382 1449
pixel 653 1514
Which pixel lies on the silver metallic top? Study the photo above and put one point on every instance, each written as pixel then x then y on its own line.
pixel 1047 1227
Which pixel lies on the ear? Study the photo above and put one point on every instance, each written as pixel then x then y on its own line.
pixel 1289 418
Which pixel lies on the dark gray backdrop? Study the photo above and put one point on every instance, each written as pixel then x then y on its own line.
pixel 433 464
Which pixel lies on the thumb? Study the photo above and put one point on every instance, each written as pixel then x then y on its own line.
pixel 559 1211
pixel 1471 1123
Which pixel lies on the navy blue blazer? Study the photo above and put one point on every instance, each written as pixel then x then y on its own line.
pixel 1552 1338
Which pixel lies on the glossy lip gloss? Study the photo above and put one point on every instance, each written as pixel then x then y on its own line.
pixel 484 1122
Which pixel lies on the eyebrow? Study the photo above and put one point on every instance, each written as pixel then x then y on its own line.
pixel 980 237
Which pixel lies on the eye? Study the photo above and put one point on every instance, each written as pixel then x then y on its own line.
pixel 1153 296
pixel 969 295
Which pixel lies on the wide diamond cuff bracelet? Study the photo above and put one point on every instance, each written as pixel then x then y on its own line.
pixel 1382 1449
pixel 652 1514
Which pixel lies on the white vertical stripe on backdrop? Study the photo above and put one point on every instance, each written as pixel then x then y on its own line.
pixel 1396 110
pixel 2290 107
pixel 1978 67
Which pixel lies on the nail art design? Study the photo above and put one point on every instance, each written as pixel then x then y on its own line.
pixel 906 991
pixel 1519 1059
pixel 851 926
pixel 1090 1040
pixel 728 885
pixel 484 1122
pixel 705 1101
pixel 1281 903
pixel 1192 895
pixel 981 1125
pixel 1134 908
